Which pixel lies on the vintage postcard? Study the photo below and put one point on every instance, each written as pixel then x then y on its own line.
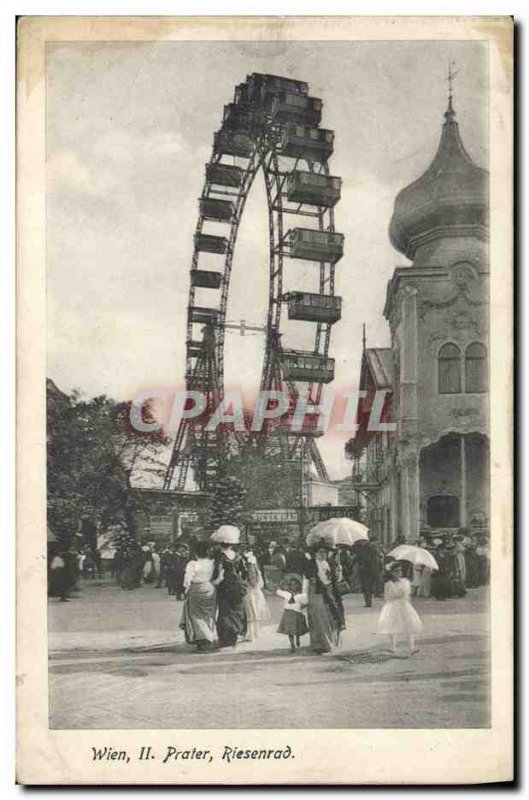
pixel 265 400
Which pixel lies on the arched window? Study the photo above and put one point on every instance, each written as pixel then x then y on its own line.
pixel 449 369
pixel 476 368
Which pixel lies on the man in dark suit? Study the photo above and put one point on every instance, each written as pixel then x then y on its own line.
pixel 367 557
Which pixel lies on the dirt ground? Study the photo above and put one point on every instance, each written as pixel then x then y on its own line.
pixel 118 660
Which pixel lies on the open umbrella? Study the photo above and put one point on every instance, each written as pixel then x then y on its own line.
pixel 415 555
pixel 339 530
pixel 226 534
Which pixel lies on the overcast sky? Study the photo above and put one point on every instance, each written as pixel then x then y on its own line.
pixel 129 129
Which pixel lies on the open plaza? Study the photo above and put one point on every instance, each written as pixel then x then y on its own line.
pixel 119 660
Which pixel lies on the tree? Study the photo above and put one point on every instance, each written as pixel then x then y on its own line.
pixel 350 448
pixel 270 480
pixel 94 454
pixel 227 504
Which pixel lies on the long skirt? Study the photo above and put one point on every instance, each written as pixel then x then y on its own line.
pixel 198 614
pixel 471 569
pixel 323 629
pixel 483 570
pixel 462 567
pixel 425 586
pixel 231 619
pixel 440 585
pixel 256 606
pixel 58 583
pixel 129 578
pixel 417 576
pixel 293 623
pixel 356 580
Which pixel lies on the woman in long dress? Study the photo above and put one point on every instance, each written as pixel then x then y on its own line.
pixel 230 577
pixel 398 618
pixel 461 564
pixel 325 610
pixel 148 567
pixel 416 579
pixel 198 615
pixel 132 566
pixel 255 604
pixel 483 555
pixel 426 583
pixel 471 561
pixel 440 585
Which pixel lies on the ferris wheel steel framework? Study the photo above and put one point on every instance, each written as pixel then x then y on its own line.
pixel 193 446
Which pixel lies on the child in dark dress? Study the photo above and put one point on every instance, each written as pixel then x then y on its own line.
pixel 293 623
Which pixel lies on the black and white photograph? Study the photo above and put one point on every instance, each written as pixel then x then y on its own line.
pixel 268 438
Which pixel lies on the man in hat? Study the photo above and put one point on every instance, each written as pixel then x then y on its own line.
pixel 179 566
pixel 165 557
pixel 170 569
pixel 366 555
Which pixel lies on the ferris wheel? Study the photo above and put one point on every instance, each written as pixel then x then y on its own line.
pixel 272 126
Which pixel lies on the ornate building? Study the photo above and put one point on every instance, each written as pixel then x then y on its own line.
pixel 431 471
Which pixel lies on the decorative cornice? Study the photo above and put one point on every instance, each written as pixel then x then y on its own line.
pixel 427 302
pixel 476 230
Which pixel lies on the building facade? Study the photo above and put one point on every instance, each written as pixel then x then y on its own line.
pixel 431 471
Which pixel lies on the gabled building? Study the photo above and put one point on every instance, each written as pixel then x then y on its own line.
pixel 432 472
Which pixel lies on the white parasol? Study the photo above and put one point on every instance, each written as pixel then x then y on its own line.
pixel 415 555
pixel 339 530
pixel 226 534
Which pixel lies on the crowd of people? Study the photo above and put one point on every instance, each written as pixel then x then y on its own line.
pixel 66 566
pixel 463 563
pixel 225 603
pixel 222 585
pixel 134 564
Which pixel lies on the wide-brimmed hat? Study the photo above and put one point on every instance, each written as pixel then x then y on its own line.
pixel 292 576
pixel 226 534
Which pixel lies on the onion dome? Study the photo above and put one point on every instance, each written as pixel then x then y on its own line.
pixel 450 198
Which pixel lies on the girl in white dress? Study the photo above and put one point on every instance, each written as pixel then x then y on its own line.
pixel 255 604
pixel 398 617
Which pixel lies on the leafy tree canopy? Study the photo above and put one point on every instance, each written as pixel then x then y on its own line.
pixel 94 455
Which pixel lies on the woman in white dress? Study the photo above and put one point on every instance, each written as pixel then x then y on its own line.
pixel 398 617
pixel 255 604
pixel 198 615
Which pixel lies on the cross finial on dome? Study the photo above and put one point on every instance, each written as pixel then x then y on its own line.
pixel 452 72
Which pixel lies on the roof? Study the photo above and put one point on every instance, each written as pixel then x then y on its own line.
pixel 380 361
pixel 453 192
